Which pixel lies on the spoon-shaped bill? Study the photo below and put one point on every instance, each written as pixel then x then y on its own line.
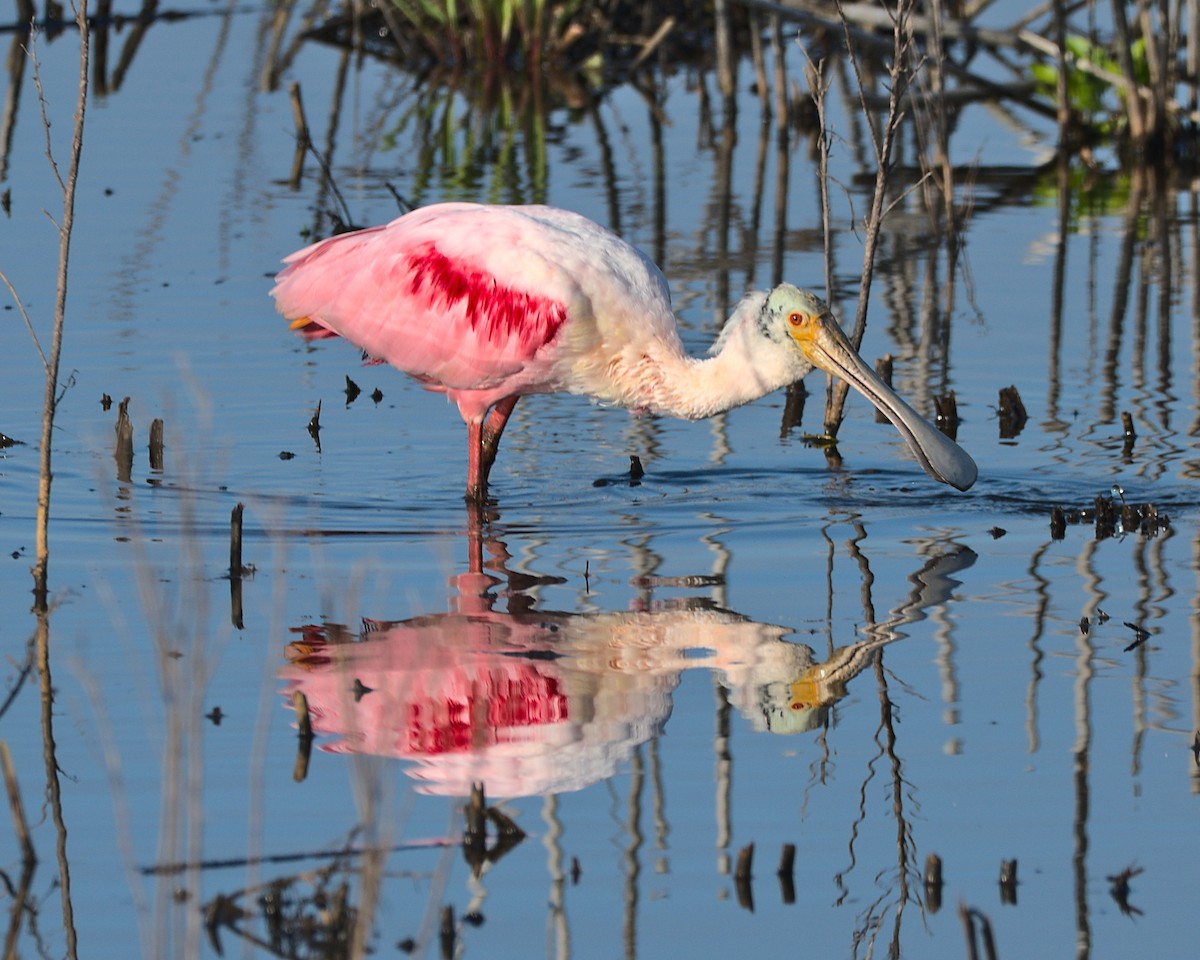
pixel 827 347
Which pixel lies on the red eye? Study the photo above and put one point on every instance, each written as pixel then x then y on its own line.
pixel 796 319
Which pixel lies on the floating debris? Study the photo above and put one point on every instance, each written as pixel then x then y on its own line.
pixel 376 395
pixel 636 470
pixel 1113 516
pixel 1119 890
pixel 352 391
pixel 1140 636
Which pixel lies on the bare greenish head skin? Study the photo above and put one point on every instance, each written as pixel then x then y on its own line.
pixel 807 321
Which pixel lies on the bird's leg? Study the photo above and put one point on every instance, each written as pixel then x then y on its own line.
pixel 493 427
pixel 483 440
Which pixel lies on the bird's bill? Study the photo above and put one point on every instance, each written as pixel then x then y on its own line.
pixel 826 347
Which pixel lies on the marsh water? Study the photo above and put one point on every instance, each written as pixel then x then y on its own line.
pixel 752 644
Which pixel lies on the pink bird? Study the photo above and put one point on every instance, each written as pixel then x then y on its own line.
pixel 490 303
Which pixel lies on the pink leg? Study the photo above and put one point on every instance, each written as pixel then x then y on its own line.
pixel 492 429
pixel 483 440
pixel 476 482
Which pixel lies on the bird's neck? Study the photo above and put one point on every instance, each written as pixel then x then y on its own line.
pixel 744 367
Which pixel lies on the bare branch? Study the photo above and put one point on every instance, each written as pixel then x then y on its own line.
pixel 24 316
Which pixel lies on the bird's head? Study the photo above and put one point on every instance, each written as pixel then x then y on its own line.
pixel 803 321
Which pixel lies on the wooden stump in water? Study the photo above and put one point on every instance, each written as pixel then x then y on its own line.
pixel 123 453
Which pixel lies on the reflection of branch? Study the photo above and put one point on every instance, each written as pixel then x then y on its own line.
pixel 885 736
pixel 19 896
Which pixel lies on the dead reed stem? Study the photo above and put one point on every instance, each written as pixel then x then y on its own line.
pixel 900 74
pixel 65 229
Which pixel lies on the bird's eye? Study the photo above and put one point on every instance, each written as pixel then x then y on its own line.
pixel 795 319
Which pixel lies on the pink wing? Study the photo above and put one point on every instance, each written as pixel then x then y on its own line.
pixel 467 299
pixel 485 302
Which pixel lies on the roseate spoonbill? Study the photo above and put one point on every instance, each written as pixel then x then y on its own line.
pixel 489 303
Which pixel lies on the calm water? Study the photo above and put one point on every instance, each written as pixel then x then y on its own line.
pixel 635 670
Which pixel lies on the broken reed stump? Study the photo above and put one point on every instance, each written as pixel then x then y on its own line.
pixel 156 445
pixel 475 829
pixel 476 814
pixel 1130 435
pixel 123 453
pixel 933 883
pixel 314 426
pixel 742 876
pixel 302 135
pixel 446 933
pixel 1012 413
pixel 793 408
pixel 969 915
pixel 883 369
pixel 1008 882
pixel 236 569
pixel 304 735
pixel 946 407
pixel 786 873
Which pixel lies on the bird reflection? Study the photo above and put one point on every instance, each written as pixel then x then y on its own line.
pixel 535 702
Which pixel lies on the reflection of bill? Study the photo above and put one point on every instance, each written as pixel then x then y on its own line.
pixel 538 703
